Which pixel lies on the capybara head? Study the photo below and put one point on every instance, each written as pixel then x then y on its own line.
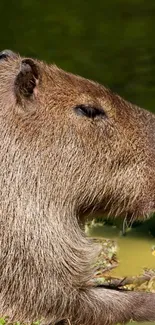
pixel 88 147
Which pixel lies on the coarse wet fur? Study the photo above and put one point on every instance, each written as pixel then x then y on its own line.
pixel 67 146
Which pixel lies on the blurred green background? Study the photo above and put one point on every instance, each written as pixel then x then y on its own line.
pixel 111 41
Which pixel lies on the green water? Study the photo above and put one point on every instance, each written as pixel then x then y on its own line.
pixel 134 250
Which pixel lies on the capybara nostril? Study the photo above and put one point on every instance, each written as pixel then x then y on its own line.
pixel 6 54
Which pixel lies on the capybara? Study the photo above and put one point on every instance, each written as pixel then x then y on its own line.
pixel 68 146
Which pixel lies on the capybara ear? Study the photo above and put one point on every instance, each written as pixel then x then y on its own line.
pixel 6 54
pixel 27 80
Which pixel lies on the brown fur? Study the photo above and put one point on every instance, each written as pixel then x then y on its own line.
pixel 55 166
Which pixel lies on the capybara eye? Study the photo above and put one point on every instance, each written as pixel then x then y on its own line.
pixel 6 54
pixel 89 111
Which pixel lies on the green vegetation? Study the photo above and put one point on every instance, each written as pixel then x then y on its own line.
pixel 4 321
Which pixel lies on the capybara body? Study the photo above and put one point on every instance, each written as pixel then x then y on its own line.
pixel 67 146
